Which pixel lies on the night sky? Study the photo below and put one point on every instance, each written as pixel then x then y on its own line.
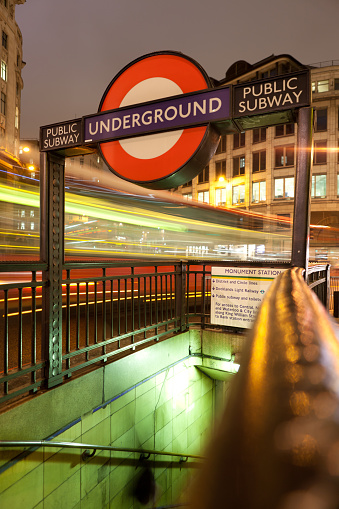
pixel 73 48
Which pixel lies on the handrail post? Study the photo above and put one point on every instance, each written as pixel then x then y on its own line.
pixel 52 175
pixel 302 198
pixel 180 290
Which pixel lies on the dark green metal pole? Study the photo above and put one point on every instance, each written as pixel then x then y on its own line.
pixel 302 198
pixel 52 176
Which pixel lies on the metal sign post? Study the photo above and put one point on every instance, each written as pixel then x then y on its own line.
pixel 302 198
pixel 158 125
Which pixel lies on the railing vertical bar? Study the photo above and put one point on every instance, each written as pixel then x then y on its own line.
pixel 119 319
pixel 145 306
pixel 126 280
pixel 112 309
pixel 132 302
pixel 6 347
pixel 95 312
pixel 87 319
pixel 33 337
pixel 166 290
pixel 139 303
pixel 68 318
pixel 20 330
pixel 104 310
pixel 78 317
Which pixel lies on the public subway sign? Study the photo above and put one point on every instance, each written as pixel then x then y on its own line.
pixel 285 92
pixel 63 135
pixel 161 117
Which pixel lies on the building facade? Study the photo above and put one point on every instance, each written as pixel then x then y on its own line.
pixel 255 169
pixel 11 82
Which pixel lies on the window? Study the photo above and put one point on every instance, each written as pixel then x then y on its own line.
pixel 284 187
pixel 238 140
pixel 204 196
pixel 220 196
pixel 6 3
pixel 259 134
pixel 187 184
pixel 220 169
pixel 338 185
pixel 321 120
pixel 284 156
pixel 204 175
pixel 3 103
pixel 222 145
pixel 336 83
pixel 259 161
pixel 320 152
pixel 187 196
pixel 31 213
pixel 320 86
pixel 3 70
pixel 323 86
pixel 318 186
pixel 259 191
pixel 32 225
pixel 284 130
pixel 16 121
pixel 238 194
pixel 238 166
pixel 4 40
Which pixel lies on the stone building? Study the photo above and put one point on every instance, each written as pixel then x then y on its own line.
pixel 255 170
pixel 11 82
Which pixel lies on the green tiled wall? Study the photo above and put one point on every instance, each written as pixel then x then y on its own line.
pixel 172 409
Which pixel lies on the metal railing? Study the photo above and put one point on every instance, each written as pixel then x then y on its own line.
pixel 277 445
pixel 86 454
pixel 326 63
pixel 107 311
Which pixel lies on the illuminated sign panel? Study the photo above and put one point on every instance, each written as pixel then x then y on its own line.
pixel 59 136
pixel 266 96
pixel 174 113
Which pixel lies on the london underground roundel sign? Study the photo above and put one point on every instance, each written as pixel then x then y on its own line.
pixel 156 94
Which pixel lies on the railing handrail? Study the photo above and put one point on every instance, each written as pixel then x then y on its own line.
pixel 279 431
pixel 94 447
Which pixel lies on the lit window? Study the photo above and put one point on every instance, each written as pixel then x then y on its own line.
pixel 238 194
pixel 31 213
pixel 259 191
pixel 3 70
pixel 204 196
pixel 16 121
pixel 187 196
pixel 318 186
pixel 323 86
pixel 22 226
pixel 284 187
pixel 284 156
pixel 22 213
pixel 220 196
pixel 32 225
